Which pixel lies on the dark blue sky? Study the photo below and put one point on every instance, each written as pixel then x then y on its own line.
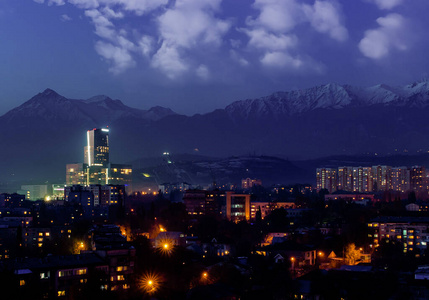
pixel 197 55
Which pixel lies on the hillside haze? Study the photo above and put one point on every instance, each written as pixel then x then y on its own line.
pixel 40 136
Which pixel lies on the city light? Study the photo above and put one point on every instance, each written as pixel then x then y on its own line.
pixel 166 246
pixel 150 282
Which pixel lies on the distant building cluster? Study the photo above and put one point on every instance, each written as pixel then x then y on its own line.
pixel 248 183
pixel 231 206
pixel 372 179
pixel 412 233
pixel 97 168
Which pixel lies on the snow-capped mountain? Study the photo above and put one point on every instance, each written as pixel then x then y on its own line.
pixel 329 96
pixel 40 136
pixel 50 106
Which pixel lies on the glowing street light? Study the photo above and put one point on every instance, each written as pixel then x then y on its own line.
pixel 150 282
pixel 292 259
pixel 166 246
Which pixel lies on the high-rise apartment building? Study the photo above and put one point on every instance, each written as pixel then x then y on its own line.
pixel 362 179
pixel 400 179
pixel 326 179
pixel 417 178
pixel 382 177
pixel 97 148
pixel 345 179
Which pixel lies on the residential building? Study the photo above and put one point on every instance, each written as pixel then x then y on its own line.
pixel 411 232
pixel 382 178
pixel 400 179
pixel 237 207
pixel 248 183
pixel 417 178
pixel 326 179
pixel 345 179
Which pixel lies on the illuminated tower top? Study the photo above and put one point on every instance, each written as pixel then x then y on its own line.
pixel 97 147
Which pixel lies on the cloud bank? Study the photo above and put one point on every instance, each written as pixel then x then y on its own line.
pixel 180 38
pixel 390 35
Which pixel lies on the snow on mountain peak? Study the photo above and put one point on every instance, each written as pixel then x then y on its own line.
pixel 329 96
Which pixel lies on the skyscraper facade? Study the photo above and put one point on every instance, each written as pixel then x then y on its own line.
pixel 97 169
pixel 97 148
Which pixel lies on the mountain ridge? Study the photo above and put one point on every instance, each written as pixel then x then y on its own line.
pixel 48 131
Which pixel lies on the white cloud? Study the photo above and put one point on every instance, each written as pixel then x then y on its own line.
pixel 85 4
pixel 146 45
pixel 111 14
pixel 277 15
pixel 51 2
pixel 203 72
pixel 56 2
pixel 119 58
pixel 325 18
pixel 103 26
pixel 273 31
pixel 168 60
pixel 188 25
pixel 237 57
pixel 281 60
pixel 139 7
pixel 262 39
pixel 387 4
pixel 65 18
pixel 199 4
pixel 377 43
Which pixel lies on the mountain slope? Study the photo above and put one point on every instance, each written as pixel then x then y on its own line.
pixel 49 106
pixel 329 96
pixel 46 132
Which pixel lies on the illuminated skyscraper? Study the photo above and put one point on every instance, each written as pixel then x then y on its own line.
pixel 97 147
pixel 97 169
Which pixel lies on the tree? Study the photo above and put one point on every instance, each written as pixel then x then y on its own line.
pixel 352 255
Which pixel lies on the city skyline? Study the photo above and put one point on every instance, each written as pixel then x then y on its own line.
pixel 145 53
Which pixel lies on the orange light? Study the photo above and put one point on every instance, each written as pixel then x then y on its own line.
pixel 150 282
pixel 166 246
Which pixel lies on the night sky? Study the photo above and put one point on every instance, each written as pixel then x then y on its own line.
pixel 198 55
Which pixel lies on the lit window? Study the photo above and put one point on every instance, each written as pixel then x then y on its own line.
pixel 80 272
pixel 120 277
pixel 61 293
pixel 22 282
